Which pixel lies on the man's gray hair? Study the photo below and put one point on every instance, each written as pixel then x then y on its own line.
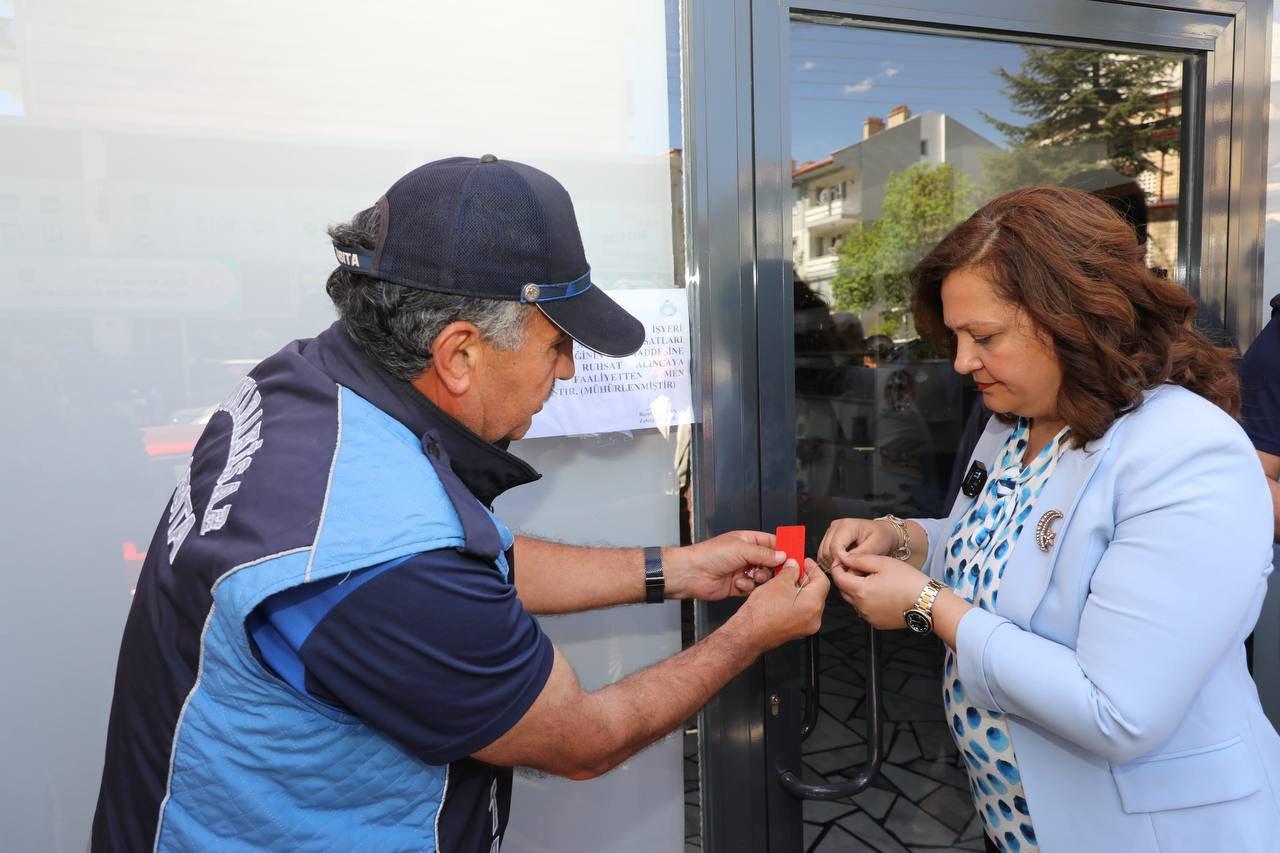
pixel 396 325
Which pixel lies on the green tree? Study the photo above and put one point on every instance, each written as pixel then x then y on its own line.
pixel 921 204
pixel 1085 109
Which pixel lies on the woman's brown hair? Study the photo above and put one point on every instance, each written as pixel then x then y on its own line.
pixel 1072 264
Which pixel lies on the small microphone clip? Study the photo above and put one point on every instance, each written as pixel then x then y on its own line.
pixel 974 479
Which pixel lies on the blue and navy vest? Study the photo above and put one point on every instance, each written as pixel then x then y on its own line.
pixel 298 478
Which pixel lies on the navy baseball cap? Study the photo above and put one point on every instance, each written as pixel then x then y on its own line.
pixel 494 229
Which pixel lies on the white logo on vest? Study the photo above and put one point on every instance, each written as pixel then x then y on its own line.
pixel 181 515
pixel 245 407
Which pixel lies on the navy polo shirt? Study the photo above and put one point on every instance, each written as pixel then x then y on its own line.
pixel 434 650
pixel 1260 386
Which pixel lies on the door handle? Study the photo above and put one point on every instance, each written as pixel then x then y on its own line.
pixel 812 688
pixel 791 781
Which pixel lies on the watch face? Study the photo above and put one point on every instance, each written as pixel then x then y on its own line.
pixel 918 622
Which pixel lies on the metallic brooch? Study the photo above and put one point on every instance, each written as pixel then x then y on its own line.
pixel 1044 536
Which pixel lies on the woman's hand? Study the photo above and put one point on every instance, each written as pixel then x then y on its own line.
pixel 879 588
pixel 847 537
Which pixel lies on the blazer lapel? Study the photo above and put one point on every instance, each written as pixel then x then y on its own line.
pixel 1027 575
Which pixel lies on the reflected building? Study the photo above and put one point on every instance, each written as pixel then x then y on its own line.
pixel 833 194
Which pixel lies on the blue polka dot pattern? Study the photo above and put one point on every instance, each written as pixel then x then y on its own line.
pixel 981 544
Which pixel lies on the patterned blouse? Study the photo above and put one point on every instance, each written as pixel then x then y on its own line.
pixel 978 551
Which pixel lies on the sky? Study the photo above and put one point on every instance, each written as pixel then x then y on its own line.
pixel 840 75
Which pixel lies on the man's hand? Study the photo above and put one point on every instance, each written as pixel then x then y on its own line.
pixel 580 735
pixel 730 564
pixel 784 608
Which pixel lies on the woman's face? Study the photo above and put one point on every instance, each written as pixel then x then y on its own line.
pixel 1011 360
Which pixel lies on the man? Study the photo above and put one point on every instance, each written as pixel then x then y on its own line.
pixel 331 644
pixel 1260 414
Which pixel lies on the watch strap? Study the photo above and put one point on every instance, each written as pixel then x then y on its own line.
pixel 655 581
pixel 928 596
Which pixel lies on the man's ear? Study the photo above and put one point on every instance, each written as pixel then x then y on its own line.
pixel 455 356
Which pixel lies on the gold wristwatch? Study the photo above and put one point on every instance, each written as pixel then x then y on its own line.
pixel 919 617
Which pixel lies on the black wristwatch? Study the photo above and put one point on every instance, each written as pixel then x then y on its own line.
pixel 655 582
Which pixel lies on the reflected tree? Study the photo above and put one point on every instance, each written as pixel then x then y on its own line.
pixel 1085 109
pixel 921 204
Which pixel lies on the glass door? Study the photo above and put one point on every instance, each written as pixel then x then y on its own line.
pixel 899 136
pixel 870 131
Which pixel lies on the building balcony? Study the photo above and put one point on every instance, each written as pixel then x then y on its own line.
pixel 818 269
pixel 836 214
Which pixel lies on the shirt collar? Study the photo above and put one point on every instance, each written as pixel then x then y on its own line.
pixel 486 469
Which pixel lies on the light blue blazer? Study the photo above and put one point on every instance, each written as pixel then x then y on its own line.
pixel 1118 653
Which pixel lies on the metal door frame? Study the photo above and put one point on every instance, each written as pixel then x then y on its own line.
pixel 737 203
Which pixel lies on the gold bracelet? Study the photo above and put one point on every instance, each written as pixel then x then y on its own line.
pixel 903 551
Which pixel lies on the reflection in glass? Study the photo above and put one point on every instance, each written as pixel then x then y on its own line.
pixel 896 138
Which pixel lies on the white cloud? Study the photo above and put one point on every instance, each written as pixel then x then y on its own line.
pixel 859 88
pixel 890 69
pixel 808 66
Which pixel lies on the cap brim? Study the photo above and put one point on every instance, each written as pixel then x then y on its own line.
pixel 594 320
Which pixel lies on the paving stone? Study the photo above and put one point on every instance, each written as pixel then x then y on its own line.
pixel 830 733
pixel 914 785
pixel 862 827
pixel 831 687
pixel 931 656
pixel 926 688
pixel 841 672
pixel 972 830
pixel 836 760
pixel 951 806
pixel 905 748
pixel 838 841
pixel 914 825
pixel 875 801
pixel 811 833
pixel 975 844
pixel 935 738
pixel 916 669
pixel 826 811
pixel 943 771
pixel 900 707
pixel 840 707
pixel 893 679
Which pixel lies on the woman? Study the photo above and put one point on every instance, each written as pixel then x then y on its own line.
pixel 1094 587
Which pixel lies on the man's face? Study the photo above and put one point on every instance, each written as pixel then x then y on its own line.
pixel 514 384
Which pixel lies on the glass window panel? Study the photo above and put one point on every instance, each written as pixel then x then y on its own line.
pixel 917 131
pixel 168 175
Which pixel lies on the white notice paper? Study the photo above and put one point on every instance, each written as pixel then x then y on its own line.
pixel 648 389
